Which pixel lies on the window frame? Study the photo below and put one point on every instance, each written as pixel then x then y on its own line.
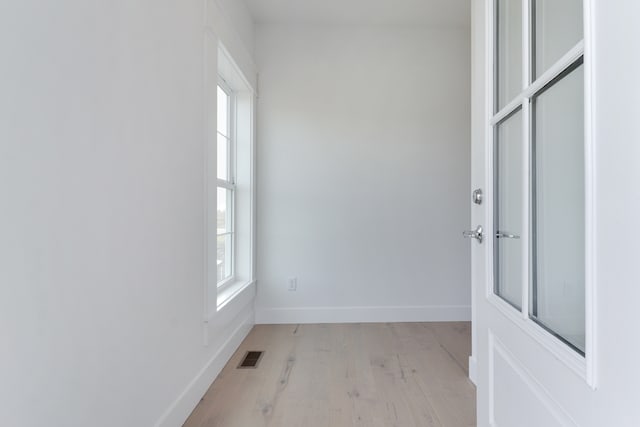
pixel 230 184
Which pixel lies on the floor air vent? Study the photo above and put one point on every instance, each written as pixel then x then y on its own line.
pixel 250 360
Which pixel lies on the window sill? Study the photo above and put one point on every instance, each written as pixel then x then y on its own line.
pixel 231 291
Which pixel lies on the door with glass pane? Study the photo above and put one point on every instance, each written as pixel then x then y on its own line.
pixel 533 343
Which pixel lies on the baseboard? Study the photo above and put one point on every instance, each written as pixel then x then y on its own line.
pixel 180 410
pixel 363 314
pixel 473 369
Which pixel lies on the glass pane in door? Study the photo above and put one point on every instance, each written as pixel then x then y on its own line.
pixel 508 209
pixel 509 51
pixel 558 26
pixel 558 288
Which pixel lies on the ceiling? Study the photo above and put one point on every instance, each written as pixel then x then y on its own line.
pixel 361 12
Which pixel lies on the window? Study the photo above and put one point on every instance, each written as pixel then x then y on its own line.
pixel 539 218
pixel 229 178
pixel 226 187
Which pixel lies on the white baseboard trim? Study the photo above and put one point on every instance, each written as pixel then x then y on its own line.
pixel 473 369
pixel 363 314
pixel 181 408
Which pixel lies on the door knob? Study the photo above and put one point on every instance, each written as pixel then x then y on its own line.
pixel 474 234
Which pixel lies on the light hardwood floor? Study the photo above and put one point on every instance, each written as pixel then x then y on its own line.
pixel 391 374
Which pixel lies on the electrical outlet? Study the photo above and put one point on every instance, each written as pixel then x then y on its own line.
pixel 292 284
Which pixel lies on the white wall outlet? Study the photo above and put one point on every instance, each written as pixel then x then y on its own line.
pixel 292 284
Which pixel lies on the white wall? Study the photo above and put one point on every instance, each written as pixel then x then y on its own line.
pixel 617 196
pixel 236 13
pixel 102 137
pixel 363 173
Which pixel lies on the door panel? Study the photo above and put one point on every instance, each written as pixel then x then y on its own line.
pixel 534 407
pixel 530 152
pixel 525 374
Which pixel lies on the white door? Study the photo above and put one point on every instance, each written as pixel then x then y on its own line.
pixel 556 154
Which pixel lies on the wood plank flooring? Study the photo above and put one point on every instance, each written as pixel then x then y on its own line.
pixel 334 375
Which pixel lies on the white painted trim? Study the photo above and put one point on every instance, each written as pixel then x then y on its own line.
pixel 487 144
pixel 221 26
pixel 241 80
pixel 363 314
pixel 525 233
pixel 254 186
pixel 209 154
pixel 591 243
pixel 525 159
pixel 473 369
pixel 178 412
pixel 233 298
pixel 476 212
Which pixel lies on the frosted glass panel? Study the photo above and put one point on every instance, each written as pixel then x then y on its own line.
pixel 558 27
pixel 558 292
pixel 508 210
pixel 509 51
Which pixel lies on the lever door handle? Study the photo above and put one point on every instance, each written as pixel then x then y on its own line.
pixel 474 234
pixel 505 235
